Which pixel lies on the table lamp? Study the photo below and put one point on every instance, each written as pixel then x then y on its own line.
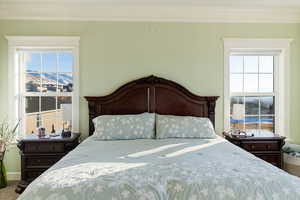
pixel 238 113
pixel 67 116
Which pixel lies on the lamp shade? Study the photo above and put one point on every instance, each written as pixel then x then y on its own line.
pixel 67 112
pixel 238 112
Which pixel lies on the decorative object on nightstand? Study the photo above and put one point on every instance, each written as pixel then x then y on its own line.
pixel 37 155
pixel 66 133
pixel 263 144
pixel 41 132
pixel 238 113
pixel 240 134
pixel 53 129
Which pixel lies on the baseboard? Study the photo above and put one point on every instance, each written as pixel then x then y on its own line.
pixel 13 176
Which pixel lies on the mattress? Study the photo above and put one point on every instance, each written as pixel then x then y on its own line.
pixel 166 169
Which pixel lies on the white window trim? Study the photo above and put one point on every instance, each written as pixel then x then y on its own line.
pixel 19 42
pixel 282 47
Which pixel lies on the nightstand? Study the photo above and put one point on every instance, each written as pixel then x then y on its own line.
pixel 38 155
pixel 265 145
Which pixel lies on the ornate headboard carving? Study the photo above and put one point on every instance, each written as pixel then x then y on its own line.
pixel 151 94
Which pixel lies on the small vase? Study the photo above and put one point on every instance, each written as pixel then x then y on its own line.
pixel 3 180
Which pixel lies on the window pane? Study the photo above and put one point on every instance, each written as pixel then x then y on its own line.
pixel 64 110
pixel 32 62
pixel 251 64
pixel 32 104
pixel 49 82
pixel 252 105
pixel 32 123
pixel 252 122
pixel 65 82
pixel 266 64
pixel 47 72
pixel 251 82
pixel 267 123
pixel 238 124
pixel 49 62
pixel 266 82
pixel 236 64
pixel 236 83
pixel 59 120
pixel 48 103
pixel 235 100
pixel 65 62
pixel 63 100
pixel 267 105
pixel 49 119
pixel 33 82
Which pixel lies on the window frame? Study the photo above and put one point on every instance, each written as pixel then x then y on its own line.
pixel 258 94
pixel 41 43
pixel 248 46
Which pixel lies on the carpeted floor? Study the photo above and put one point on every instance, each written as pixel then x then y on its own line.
pixel 8 193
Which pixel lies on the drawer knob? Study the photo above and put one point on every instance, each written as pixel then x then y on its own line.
pixel 252 146
pixel 268 147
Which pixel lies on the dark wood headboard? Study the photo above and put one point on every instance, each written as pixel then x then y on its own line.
pixel 151 94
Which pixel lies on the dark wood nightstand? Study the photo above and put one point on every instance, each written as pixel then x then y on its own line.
pixel 37 155
pixel 266 146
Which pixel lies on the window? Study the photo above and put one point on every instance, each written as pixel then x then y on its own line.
pixel 45 89
pixel 256 84
pixel 252 86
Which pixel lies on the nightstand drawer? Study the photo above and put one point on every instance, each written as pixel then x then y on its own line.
pixel 261 146
pixel 41 161
pixel 44 148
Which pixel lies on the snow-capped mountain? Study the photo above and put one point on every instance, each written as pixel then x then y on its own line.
pixel 63 79
pixel 49 82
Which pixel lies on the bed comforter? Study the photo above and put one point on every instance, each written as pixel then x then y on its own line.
pixel 173 169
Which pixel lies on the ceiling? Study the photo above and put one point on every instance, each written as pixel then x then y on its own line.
pixel 252 11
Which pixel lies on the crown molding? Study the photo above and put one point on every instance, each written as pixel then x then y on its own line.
pixel 89 12
pixel 66 41
pixel 257 43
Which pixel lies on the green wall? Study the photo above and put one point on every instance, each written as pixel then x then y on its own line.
pixel 112 53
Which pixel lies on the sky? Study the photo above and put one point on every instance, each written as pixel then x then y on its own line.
pixel 258 73
pixel 33 62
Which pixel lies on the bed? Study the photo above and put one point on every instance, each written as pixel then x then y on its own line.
pixel 175 168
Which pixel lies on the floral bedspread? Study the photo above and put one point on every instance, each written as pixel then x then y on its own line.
pixel 166 169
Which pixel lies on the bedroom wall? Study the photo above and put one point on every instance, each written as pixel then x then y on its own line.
pixel 112 53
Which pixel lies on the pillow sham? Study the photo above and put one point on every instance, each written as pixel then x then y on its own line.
pixel 170 126
pixel 124 127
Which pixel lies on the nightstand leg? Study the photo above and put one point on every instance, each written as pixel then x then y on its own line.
pixel 21 187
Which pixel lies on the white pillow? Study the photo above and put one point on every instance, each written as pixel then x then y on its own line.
pixel 124 127
pixel 170 126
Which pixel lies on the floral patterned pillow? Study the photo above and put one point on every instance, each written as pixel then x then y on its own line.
pixel 124 127
pixel 170 126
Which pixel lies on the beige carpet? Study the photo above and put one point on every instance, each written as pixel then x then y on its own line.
pixel 8 193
